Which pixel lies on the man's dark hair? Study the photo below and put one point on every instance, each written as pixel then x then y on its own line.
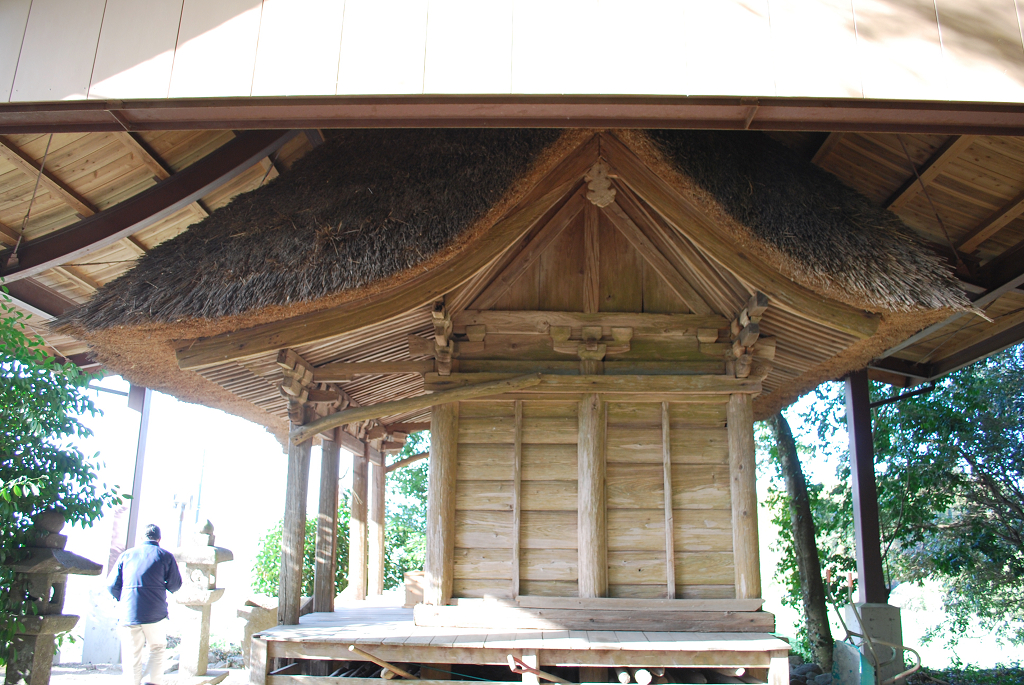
pixel 152 532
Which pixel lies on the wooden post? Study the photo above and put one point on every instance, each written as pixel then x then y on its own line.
pixel 357 525
pixel 293 534
pixel 742 485
pixel 258 661
pixel 440 553
pixel 377 514
pixel 871 580
pixel 593 554
pixel 327 528
pixel 670 526
pixel 517 497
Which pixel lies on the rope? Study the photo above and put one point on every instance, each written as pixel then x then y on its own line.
pixel 28 212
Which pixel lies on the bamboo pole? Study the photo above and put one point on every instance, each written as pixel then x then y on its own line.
pixel 376 411
pixel 440 553
pixel 593 556
pixel 740 421
pixel 327 528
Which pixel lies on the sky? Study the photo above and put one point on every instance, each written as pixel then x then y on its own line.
pixel 204 464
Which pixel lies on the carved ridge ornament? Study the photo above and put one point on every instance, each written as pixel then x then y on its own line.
pixel 599 185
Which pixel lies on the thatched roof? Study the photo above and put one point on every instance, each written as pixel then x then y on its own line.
pixel 369 204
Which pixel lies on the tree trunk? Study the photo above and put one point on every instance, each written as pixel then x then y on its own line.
pixel 808 564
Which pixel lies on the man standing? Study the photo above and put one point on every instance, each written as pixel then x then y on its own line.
pixel 140 583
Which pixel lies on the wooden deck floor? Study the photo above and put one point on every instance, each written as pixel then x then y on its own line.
pixel 387 631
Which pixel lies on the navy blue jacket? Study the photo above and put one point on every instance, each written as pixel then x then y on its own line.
pixel 140 583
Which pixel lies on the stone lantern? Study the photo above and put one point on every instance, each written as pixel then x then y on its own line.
pixel 41 579
pixel 198 562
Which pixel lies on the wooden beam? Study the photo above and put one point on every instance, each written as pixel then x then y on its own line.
pixel 324 588
pixel 38 299
pixel 416 293
pixel 670 527
pixel 160 169
pixel 377 411
pixel 375 534
pixel 990 226
pixel 148 207
pixel 830 143
pixel 439 562
pixel 946 154
pixel 530 252
pixel 293 534
pixel 13 154
pixel 407 427
pixel 539 323
pixel 77 277
pixel 690 221
pixel 346 371
pixel 633 604
pixel 592 548
pixel 625 384
pixel 742 486
pixel 408 460
pixel 978 350
pixel 642 244
pixel 357 533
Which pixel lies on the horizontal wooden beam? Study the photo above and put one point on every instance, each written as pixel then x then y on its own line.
pixel 516 111
pixel 408 460
pixel 346 371
pixel 978 351
pixel 413 294
pixel 631 604
pixel 946 154
pixel 405 427
pixel 28 166
pixel 540 322
pixel 145 209
pixel 627 384
pixel 38 299
pixel 377 411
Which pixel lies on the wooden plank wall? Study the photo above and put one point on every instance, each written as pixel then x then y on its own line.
pixel 966 50
pixel 700 501
pixel 484 532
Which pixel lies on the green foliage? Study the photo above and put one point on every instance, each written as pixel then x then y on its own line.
pixel 266 569
pixel 40 466
pixel 950 476
pixel 405 531
pixel 1000 675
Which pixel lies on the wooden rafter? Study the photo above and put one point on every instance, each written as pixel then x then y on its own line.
pixel 990 226
pixel 161 171
pixel 946 154
pixel 831 143
pixel 149 206
pixel 413 294
pixel 77 277
pixel 346 371
pixel 13 154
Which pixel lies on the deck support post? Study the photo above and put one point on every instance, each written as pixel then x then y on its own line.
pixel 293 534
pixel 440 553
pixel 377 516
pixel 357 525
pixel 327 528
pixel 742 476
pixel 591 515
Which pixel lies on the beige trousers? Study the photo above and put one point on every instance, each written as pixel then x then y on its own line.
pixel 133 640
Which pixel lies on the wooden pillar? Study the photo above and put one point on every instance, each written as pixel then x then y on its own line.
pixel 327 528
pixel 440 553
pixel 593 540
pixel 377 515
pixel 742 485
pixel 357 525
pixel 670 526
pixel 293 533
pixel 871 585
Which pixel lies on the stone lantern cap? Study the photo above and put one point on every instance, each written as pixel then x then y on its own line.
pixel 47 554
pixel 201 551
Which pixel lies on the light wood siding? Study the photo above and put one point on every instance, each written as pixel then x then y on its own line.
pixel 702 532
pixel 484 501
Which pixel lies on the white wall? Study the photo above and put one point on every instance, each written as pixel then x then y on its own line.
pixel 893 49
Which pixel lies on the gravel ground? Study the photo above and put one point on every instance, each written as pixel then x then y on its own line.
pixel 110 674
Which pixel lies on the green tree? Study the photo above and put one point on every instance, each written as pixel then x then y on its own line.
pixel 406 521
pixel 266 569
pixel 41 403
pixel 950 475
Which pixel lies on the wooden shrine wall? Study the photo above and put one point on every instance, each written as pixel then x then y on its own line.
pixel 486 536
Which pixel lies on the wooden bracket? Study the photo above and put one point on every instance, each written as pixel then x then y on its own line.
pixel 746 333
pixel 590 346
pixel 442 338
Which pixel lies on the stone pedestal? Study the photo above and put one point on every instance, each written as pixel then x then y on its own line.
pixel 259 614
pixel 198 562
pixel 880 622
pixel 41 577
